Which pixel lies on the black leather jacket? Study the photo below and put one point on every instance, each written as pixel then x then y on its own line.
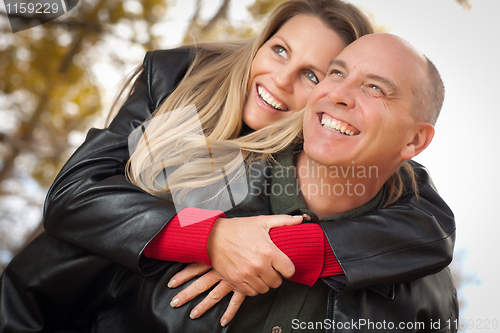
pixel 95 210
pixel 53 286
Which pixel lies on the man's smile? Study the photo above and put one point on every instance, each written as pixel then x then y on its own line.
pixel 338 126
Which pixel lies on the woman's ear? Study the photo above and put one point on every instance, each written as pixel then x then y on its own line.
pixel 423 136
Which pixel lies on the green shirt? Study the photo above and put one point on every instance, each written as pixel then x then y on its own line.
pixel 279 307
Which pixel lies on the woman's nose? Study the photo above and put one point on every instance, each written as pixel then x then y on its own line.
pixel 283 78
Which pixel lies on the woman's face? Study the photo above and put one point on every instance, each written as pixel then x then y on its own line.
pixel 287 67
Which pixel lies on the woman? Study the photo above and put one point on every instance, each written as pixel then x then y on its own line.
pixel 92 205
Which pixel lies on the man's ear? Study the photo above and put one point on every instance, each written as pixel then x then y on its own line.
pixel 422 137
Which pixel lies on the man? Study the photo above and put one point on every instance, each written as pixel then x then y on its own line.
pixel 374 111
pixel 370 93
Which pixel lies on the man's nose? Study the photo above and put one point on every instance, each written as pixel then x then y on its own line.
pixel 341 94
pixel 283 78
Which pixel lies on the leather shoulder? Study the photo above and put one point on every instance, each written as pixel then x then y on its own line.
pixel 164 70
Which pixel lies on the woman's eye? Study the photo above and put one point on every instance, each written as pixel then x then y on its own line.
pixel 311 76
pixel 280 50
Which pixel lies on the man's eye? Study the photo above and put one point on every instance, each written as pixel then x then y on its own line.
pixel 280 50
pixel 376 88
pixel 336 72
pixel 311 76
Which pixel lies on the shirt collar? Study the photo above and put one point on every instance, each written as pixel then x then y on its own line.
pixel 286 198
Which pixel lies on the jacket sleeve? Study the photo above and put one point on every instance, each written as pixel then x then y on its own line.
pixel 52 286
pixel 409 239
pixel 91 204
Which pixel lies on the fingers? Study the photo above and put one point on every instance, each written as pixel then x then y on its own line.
pixel 271 278
pixel 252 286
pixel 221 290
pixel 242 252
pixel 283 264
pixel 282 220
pixel 202 284
pixel 189 272
pixel 260 276
pixel 232 308
pixel 218 293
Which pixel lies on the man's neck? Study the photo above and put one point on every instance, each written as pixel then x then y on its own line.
pixel 333 190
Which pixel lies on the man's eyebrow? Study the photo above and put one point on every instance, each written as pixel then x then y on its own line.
pixel 337 62
pixel 389 84
pixel 393 87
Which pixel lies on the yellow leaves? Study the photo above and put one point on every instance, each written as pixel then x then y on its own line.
pixel 115 11
pixel 47 79
pixel 156 8
pixel 261 8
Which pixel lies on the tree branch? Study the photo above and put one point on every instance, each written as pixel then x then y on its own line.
pixel 466 4
pixel 195 17
pixel 221 14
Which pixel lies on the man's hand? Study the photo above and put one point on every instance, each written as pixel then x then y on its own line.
pixel 242 252
pixel 204 283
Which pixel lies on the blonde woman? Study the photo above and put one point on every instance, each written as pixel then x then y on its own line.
pixel 93 206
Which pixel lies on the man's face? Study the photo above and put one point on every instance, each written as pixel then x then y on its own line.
pixel 360 114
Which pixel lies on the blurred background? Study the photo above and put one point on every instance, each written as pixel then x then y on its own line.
pixel 57 80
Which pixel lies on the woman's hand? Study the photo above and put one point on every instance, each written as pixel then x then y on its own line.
pixel 189 272
pixel 244 255
pixel 202 284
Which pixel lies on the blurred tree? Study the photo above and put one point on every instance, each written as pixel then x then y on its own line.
pixel 218 27
pixel 49 93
